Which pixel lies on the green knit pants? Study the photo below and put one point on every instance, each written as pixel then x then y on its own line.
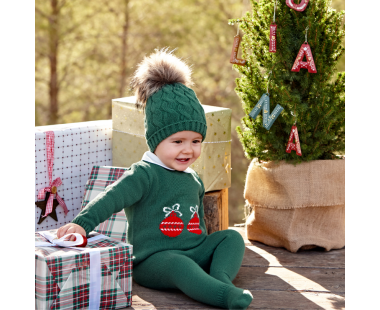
pixel 204 273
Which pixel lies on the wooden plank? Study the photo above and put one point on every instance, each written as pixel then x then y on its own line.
pixel 165 299
pixel 280 257
pixel 292 279
pixel 266 299
pixel 224 208
pixel 263 299
pixel 263 255
pixel 140 304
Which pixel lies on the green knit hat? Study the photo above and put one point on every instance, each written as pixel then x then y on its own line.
pixel 161 86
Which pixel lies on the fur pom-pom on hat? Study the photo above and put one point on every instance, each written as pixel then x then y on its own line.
pixel 157 70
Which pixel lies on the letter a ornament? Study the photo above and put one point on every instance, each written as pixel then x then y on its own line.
pixel 294 146
pixel 309 63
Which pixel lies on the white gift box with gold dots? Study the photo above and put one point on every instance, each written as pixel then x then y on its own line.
pixel 214 164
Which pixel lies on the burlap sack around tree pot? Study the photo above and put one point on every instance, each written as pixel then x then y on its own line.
pixel 296 206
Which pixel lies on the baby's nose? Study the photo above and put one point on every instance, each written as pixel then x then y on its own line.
pixel 188 148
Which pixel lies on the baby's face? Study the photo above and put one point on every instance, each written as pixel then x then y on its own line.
pixel 180 150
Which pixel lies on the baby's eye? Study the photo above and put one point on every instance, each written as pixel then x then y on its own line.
pixel 178 141
pixel 197 141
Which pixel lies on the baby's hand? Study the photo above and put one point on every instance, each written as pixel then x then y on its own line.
pixel 70 228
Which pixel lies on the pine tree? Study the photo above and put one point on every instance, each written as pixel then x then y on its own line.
pixel 315 101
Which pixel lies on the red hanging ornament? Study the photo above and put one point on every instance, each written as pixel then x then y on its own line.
pixel 272 32
pixel 272 38
pixel 309 63
pixel 235 48
pixel 297 7
pixel 294 146
pixel 193 225
pixel 172 225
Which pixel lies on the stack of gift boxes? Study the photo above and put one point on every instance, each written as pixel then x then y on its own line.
pixel 87 157
pixel 214 164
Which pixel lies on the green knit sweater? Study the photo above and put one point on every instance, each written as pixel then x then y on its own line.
pixel 163 208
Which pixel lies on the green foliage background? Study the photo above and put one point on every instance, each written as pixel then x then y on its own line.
pixel 93 68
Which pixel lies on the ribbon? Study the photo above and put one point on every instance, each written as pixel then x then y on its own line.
pixel 95 280
pixel 194 210
pixel 52 188
pixel 174 208
pixel 54 241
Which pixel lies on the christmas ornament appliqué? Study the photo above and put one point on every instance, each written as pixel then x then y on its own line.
pixel 172 225
pixel 193 225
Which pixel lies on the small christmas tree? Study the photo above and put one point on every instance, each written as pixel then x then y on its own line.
pixel 312 101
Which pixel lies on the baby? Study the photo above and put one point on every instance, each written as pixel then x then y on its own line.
pixel 161 194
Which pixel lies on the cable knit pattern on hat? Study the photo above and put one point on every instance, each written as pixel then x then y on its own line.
pixel 173 108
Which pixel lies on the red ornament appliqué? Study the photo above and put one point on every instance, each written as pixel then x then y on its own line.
pixel 172 225
pixel 193 225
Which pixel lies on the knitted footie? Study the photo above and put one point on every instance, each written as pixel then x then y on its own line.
pixel 237 298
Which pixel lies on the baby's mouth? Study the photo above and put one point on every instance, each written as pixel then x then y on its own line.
pixel 183 160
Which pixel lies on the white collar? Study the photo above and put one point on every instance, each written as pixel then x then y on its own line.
pixel 152 158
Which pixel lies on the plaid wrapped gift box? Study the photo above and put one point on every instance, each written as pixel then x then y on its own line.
pixel 116 226
pixel 98 277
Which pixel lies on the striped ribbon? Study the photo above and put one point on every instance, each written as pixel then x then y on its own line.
pixel 57 182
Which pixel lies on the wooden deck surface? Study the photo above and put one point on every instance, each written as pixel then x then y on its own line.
pixel 277 279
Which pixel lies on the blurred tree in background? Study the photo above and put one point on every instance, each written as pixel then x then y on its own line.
pixel 86 52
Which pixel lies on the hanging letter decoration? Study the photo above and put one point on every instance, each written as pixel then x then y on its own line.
pixel 297 7
pixel 308 64
pixel 235 49
pixel 294 146
pixel 264 104
pixel 272 38
pixel 272 32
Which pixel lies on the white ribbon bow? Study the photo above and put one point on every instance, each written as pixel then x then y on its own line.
pixel 194 210
pixel 53 241
pixel 174 208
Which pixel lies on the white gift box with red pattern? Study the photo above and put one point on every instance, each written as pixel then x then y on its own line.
pixel 77 148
